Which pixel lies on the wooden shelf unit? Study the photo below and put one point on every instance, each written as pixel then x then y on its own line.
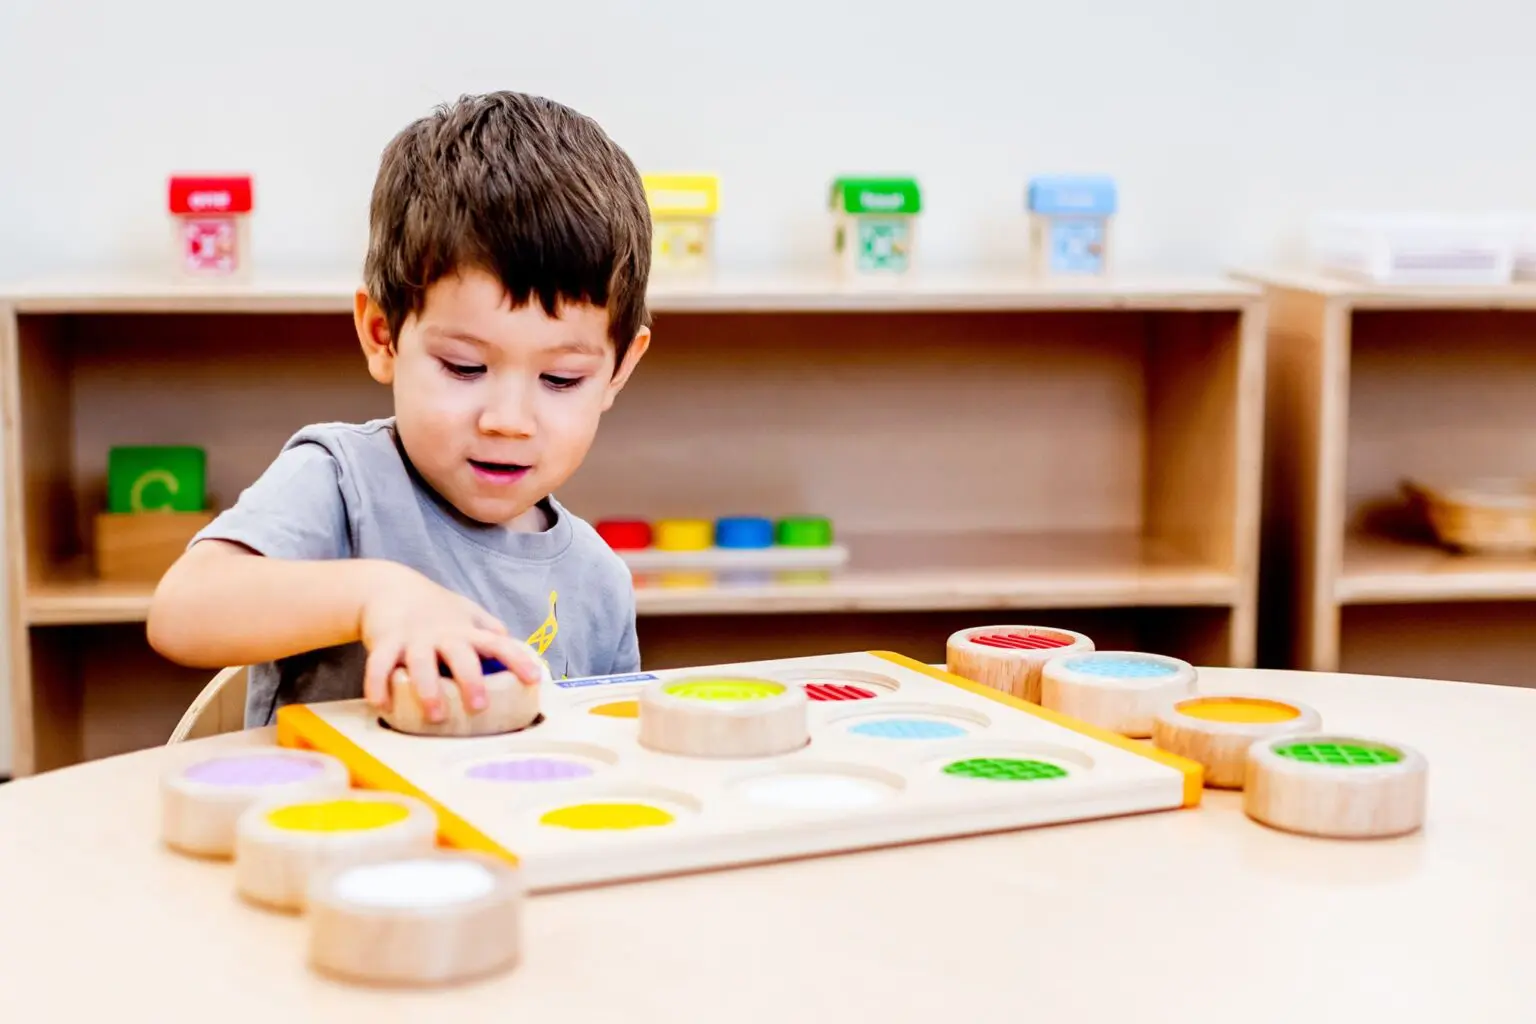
pixel 1369 385
pixel 1086 454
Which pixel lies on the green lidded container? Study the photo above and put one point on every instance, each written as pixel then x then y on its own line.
pixel 150 478
pixel 891 196
pixel 803 532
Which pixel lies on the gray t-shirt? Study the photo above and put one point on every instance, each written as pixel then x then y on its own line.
pixel 342 490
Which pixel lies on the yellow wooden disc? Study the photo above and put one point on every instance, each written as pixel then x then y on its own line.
pixel 684 534
pixel 1248 710
pixel 336 816
pixel 607 816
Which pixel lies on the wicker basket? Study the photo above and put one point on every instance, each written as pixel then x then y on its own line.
pixel 1483 516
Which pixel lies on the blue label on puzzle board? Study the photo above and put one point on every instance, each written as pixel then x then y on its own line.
pixel 632 677
pixel 1077 246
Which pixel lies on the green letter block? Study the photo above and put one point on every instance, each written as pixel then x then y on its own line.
pixel 152 479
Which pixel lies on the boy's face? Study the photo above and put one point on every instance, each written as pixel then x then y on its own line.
pixel 495 406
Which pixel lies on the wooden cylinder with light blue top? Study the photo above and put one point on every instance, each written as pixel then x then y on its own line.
pixel 1069 225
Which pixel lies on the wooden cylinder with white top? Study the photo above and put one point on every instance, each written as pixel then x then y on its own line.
pixel 439 918
pixel 1010 658
pixel 727 716
pixel 1116 690
pixel 1345 787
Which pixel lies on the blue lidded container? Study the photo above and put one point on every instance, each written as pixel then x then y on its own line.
pixel 743 532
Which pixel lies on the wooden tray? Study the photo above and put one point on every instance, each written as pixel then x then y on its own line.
pixel 1485 515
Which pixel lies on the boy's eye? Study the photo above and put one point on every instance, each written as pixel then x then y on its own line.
pixel 462 369
pixel 561 383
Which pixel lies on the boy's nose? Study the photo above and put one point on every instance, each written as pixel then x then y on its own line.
pixel 510 418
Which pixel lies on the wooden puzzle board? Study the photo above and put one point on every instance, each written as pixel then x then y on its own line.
pixel 899 752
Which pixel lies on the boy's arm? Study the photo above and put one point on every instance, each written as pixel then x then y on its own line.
pixel 224 604
pixel 275 576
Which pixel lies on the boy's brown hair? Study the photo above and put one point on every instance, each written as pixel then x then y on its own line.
pixel 523 188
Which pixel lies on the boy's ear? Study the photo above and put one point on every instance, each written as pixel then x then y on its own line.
pixel 637 347
pixel 373 333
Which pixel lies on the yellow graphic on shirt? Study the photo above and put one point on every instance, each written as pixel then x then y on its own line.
pixel 541 638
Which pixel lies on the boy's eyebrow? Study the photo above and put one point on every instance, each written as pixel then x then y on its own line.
pixel 580 347
pixel 452 335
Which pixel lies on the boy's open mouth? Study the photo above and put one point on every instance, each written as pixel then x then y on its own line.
pixel 498 470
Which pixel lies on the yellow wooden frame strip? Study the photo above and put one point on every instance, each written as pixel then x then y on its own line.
pixel 299 728
pixel 1193 771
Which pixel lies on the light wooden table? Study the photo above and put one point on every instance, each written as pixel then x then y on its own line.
pixel 1189 916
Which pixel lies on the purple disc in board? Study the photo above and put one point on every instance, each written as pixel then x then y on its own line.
pixel 529 769
pixel 254 770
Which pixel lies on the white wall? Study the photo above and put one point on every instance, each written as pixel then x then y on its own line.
pixel 1225 121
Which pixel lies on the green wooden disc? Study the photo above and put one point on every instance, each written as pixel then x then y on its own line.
pixel 804 531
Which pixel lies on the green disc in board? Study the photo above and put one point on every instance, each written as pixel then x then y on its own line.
pixel 804 531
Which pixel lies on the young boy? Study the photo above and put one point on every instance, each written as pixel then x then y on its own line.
pixel 504 305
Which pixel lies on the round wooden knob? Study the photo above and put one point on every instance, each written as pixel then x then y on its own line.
pixel 281 846
pixel 1009 658
pixel 1121 691
pixel 1218 729
pixel 1335 786
pixel 726 716
pixel 201 802
pixel 510 705
pixel 435 919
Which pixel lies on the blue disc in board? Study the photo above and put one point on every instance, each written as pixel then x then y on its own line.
pixel 743 532
pixel 488 666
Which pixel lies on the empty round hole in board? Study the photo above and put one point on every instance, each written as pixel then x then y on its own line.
pixel 537 721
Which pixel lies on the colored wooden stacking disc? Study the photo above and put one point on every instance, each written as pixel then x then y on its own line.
pixel 511 704
pixel 804 531
pixel 1116 690
pixel 281 846
pixel 725 689
pixel 433 919
pixel 1335 786
pixel 200 803
pixel 723 717
pixel 684 534
pixel 744 532
pixel 625 534
pixel 1218 729
pixel 1010 658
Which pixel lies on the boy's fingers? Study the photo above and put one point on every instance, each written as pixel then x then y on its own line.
pixel 376 672
pixel 519 658
pixel 464 665
pixel 421 663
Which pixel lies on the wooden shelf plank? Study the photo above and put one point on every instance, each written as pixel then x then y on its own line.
pixel 1367 295
pixel 785 293
pixel 1384 570
pixel 895 572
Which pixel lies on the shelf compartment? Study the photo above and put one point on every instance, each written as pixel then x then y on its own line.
pixel 981 449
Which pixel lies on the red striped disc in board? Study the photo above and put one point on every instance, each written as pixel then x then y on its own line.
pixel 1021 642
pixel 837 691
